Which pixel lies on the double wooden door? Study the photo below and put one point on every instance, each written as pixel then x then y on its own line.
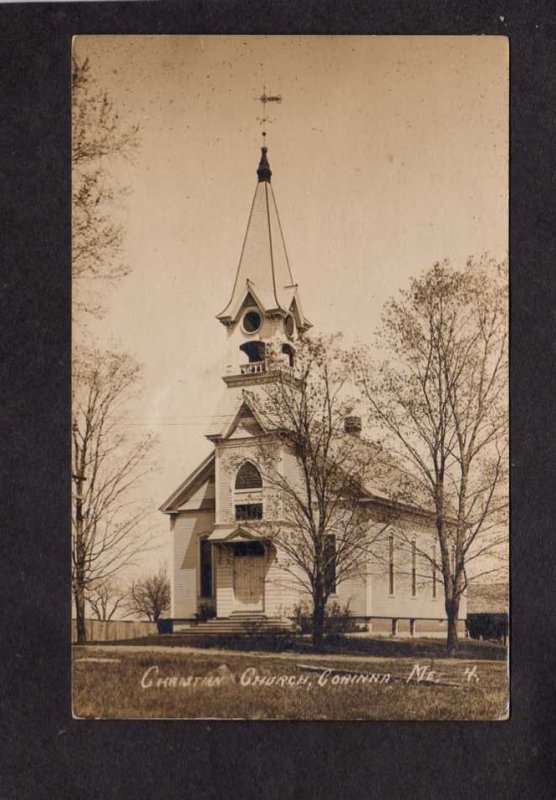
pixel 249 582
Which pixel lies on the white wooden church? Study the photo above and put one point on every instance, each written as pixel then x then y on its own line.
pixel 221 559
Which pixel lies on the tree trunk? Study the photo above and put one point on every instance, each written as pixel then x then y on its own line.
pixel 79 595
pixel 318 624
pixel 452 642
pixel 79 575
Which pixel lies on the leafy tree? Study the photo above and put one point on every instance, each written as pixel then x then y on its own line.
pixel 314 514
pixel 150 596
pixel 440 402
pixel 108 463
pixel 98 137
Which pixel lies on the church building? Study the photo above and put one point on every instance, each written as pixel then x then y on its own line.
pixel 222 564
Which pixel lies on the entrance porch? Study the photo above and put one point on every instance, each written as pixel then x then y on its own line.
pixel 241 563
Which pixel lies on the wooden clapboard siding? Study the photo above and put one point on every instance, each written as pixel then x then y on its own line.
pixel 402 603
pixel 291 470
pixel 228 461
pixel 224 581
pixel 187 528
pixel 352 592
pixel 282 592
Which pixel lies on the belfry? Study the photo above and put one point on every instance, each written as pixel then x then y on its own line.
pixel 264 303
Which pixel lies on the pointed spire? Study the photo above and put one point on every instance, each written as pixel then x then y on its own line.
pixel 263 274
pixel 263 171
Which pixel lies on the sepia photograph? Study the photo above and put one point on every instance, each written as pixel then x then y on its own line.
pixel 290 467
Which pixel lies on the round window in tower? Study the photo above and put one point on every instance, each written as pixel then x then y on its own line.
pixel 251 321
pixel 289 326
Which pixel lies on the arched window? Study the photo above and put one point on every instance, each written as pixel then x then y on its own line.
pixel 248 477
pixel 288 352
pixel 248 493
pixel 255 351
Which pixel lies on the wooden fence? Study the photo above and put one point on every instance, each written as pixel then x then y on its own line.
pixel 114 629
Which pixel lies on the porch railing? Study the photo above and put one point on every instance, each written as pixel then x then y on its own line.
pixel 253 368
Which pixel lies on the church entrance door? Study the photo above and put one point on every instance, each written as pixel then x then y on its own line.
pixel 249 565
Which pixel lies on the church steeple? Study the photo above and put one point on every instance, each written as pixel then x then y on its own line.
pixel 264 278
pixel 264 311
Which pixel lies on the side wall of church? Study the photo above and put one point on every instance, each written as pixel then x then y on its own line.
pixel 414 596
pixel 352 593
pixel 188 526
pixel 368 594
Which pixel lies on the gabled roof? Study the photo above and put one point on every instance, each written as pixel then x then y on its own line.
pixel 234 533
pixel 190 484
pixel 388 479
pixel 264 268
pixel 378 489
pixel 233 404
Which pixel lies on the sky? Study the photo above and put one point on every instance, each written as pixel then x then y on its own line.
pixel 388 153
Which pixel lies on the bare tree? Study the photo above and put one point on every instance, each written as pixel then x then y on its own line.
pixel 150 596
pixel 105 598
pixel 316 517
pixel 441 404
pixel 108 463
pixel 98 137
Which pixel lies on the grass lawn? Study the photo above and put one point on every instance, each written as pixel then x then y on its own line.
pixel 382 647
pixel 121 681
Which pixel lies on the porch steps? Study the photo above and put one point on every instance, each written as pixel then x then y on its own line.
pixel 238 624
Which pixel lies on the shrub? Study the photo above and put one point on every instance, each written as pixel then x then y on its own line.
pixel 302 617
pixel 488 626
pixel 204 612
pixel 337 619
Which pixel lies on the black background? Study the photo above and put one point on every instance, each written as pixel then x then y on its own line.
pixel 44 753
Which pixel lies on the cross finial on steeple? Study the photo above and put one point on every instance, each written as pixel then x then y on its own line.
pixel 264 172
pixel 264 99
